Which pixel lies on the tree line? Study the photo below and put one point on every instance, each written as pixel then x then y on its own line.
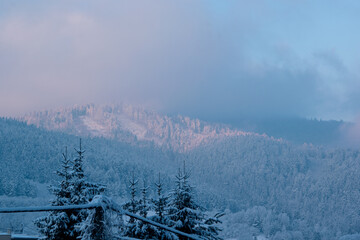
pixel 177 208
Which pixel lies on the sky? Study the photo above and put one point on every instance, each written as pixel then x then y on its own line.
pixel 209 59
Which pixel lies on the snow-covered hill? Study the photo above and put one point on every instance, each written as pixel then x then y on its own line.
pixel 128 123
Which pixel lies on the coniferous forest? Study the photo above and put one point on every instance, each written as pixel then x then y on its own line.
pixel 266 187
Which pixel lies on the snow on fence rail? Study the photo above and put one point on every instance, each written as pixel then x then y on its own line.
pixel 99 202
pixel 49 208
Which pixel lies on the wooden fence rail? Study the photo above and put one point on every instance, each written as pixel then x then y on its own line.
pixel 99 202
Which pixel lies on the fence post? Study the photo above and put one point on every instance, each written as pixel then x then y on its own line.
pixel 99 229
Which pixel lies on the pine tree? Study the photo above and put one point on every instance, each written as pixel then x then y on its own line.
pixel 82 191
pixel 144 205
pixel 160 205
pixel 133 207
pixel 78 183
pixel 183 211
pixel 60 224
pixel 185 214
pixel 135 228
pixel 144 230
pixel 72 190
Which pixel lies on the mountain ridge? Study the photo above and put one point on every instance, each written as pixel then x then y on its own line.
pixel 132 123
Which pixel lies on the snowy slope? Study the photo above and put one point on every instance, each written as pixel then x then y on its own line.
pixel 129 123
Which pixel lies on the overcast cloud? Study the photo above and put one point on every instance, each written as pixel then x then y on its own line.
pixel 200 58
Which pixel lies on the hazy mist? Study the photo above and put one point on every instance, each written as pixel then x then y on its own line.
pixel 212 59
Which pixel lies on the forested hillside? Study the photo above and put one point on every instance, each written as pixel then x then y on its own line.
pixel 280 187
pixel 28 153
pixel 267 186
pixel 131 124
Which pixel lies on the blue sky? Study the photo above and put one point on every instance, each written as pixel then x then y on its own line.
pixel 212 59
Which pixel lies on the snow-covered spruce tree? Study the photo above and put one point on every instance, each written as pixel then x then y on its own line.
pixel 83 191
pixel 60 224
pixel 79 193
pixel 144 230
pixel 185 214
pixel 72 190
pixel 144 201
pixel 160 205
pixel 133 207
